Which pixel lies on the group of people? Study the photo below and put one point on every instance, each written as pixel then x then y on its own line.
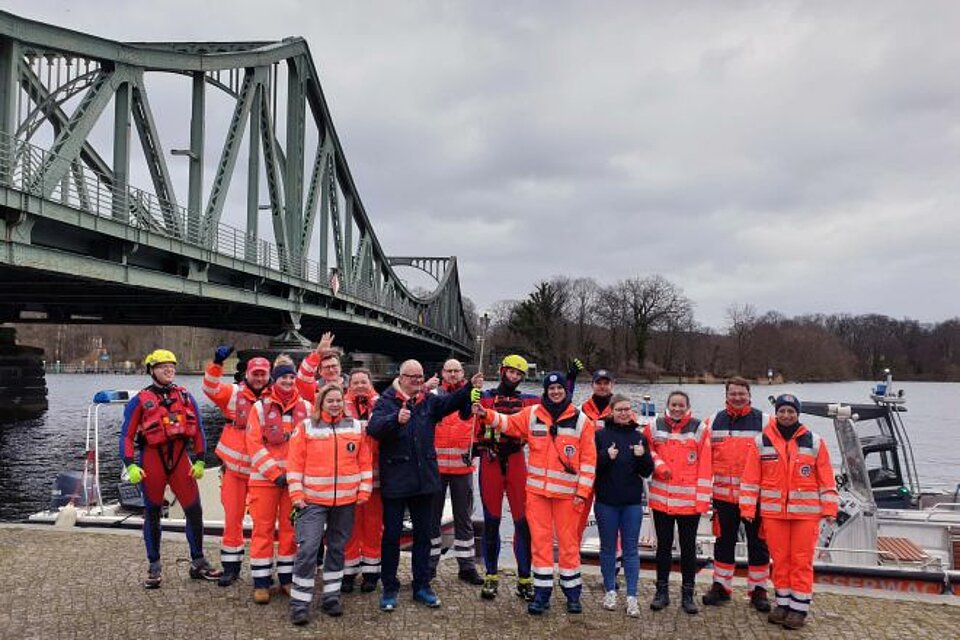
pixel 328 468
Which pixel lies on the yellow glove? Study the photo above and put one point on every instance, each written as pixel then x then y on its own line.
pixel 475 395
pixel 196 471
pixel 135 473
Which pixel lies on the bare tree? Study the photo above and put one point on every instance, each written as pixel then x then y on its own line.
pixel 653 303
pixel 742 320
pixel 582 302
pixel 611 313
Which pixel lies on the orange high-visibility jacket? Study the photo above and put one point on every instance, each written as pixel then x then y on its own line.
pixel 307 376
pixel 730 439
pixel 684 448
pixel 268 434
pixel 790 479
pixel 235 401
pixel 590 408
pixel 559 466
pixel 329 464
pixel 356 407
pixel 452 440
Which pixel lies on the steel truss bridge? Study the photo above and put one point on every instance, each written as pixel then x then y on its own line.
pixel 81 243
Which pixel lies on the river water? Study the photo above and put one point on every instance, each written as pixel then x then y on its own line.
pixel 32 452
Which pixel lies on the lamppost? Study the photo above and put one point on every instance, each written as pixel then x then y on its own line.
pixel 484 325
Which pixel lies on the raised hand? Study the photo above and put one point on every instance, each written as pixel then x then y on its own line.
pixel 325 343
pixel 404 416
pixel 222 353
pixel 431 383
pixel 637 449
pixel 612 451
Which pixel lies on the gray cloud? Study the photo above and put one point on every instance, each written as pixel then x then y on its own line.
pixel 795 156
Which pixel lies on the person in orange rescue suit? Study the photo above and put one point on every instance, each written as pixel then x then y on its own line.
pixel 269 426
pixel 452 439
pixel 503 470
pixel 679 493
pixel 329 471
pixel 560 474
pixel 163 422
pixel 732 430
pixel 363 548
pixel 321 366
pixel 235 401
pixel 597 408
pixel 789 475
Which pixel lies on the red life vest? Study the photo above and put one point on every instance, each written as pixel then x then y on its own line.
pixel 274 429
pixel 166 419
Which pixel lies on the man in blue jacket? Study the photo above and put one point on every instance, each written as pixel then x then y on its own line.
pixel 403 421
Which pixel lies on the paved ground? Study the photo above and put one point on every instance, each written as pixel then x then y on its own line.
pixel 82 584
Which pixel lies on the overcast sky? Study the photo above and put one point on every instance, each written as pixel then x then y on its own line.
pixel 803 157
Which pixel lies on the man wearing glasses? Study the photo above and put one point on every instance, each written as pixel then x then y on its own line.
pixel 453 437
pixel 403 422
pixel 320 367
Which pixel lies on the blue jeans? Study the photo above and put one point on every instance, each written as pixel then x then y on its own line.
pixel 625 521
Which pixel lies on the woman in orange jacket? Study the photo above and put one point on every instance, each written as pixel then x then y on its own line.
pixel 269 426
pixel 680 491
pixel 788 473
pixel 330 471
pixel 560 474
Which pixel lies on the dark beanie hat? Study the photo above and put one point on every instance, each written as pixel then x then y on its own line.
pixel 281 370
pixel 554 377
pixel 787 399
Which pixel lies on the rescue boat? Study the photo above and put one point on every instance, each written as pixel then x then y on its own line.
pixel 77 496
pixel 891 533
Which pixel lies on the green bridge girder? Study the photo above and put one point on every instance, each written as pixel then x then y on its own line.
pixel 81 244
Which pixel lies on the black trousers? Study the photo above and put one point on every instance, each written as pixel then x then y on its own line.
pixel 728 517
pixel 687 526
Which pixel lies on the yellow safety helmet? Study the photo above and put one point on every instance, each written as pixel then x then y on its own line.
pixel 159 356
pixel 514 361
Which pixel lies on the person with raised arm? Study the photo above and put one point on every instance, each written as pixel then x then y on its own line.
pixel 404 421
pixel 235 400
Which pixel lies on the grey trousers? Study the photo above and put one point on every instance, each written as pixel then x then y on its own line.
pixel 461 495
pixel 315 521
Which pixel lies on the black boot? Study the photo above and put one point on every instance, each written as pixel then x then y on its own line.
pixel 662 597
pixel 348 583
pixel 686 599
pixel 716 596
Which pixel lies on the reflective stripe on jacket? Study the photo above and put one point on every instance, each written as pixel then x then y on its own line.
pixel 452 439
pixel 684 448
pixel 559 466
pixel 235 401
pixel 329 464
pixel 268 435
pixel 361 409
pixel 730 439
pixel 788 479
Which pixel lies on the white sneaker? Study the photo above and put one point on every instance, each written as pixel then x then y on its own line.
pixel 633 609
pixel 610 601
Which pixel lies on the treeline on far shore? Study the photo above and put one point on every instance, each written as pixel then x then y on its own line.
pixel 644 327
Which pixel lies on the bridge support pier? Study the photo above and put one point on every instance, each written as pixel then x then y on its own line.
pixel 23 388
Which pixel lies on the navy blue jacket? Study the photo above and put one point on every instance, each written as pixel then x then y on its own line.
pixel 619 482
pixel 408 457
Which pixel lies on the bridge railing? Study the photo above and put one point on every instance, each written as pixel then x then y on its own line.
pixel 24 167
